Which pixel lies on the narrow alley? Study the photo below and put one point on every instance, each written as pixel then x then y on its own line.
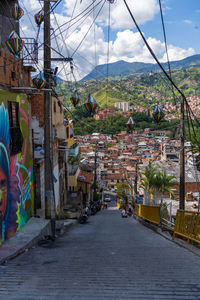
pixel 108 258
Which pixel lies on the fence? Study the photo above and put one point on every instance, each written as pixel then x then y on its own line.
pixel 188 225
pixel 147 212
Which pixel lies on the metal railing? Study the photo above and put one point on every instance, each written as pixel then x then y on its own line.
pixel 147 212
pixel 187 224
pixel 29 54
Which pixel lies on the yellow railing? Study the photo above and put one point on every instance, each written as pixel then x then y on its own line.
pixel 150 213
pixel 118 205
pixel 187 225
pixel 147 212
pixel 137 209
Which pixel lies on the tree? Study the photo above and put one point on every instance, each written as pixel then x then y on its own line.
pixel 163 183
pixel 123 192
pixel 148 181
pixel 156 183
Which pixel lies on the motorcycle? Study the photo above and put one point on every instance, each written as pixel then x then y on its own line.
pixel 83 218
pixel 93 208
pixel 84 215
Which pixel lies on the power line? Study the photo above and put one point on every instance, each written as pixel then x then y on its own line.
pixel 165 39
pixel 88 29
pixel 108 52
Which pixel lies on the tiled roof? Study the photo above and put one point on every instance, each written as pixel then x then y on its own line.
pixel 85 176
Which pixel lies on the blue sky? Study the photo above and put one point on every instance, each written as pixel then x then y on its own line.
pixel 182 23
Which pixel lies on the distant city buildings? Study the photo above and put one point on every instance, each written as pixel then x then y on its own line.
pixel 124 106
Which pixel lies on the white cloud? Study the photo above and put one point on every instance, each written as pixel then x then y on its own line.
pixel 187 21
pixel 127 45
pixel 143 11
pixel 177 53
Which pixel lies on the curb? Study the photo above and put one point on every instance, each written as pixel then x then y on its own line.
pixel 63 226
pixel 29 235
pixel 176 240
pixel 26 238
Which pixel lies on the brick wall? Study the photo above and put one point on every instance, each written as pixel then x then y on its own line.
pixel 13 73
pixel 37 107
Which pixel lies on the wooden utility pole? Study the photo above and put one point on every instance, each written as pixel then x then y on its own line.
pixel 136 178
pixel 182 158
pixel 49 197
pixel 95 173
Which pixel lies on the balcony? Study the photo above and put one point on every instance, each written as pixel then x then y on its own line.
pixel 29 54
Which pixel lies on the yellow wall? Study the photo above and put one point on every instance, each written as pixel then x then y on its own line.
pixel 69 128
pixel 73 179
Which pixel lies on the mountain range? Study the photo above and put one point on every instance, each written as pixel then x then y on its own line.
pixel 123 68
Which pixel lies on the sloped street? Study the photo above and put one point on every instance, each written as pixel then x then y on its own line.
pixel 107 258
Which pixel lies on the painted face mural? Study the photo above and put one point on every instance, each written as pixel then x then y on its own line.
pixel 3 193
pixel 9 181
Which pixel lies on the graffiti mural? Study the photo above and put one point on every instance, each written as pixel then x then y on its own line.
pixel 16 175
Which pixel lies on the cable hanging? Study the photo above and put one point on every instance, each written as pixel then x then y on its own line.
pixel 108 53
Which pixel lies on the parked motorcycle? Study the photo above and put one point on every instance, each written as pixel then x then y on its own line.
pixel 93 208
pixel 83 218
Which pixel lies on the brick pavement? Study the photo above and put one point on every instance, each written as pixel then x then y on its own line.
pixel 107 258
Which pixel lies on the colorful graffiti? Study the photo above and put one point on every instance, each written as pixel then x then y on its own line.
pixel 16 176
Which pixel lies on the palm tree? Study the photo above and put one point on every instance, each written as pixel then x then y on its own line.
pixel 156 182
pixel 167 182
pixel 148 181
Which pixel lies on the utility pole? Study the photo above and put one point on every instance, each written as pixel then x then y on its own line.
pixel 182 158
pixel 136 178
pixel 95 172
pixel 48 153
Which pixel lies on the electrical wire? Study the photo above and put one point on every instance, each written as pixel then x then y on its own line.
pixel 24 45
pixel 71 19
pixel 152 53
pixel 108 53
pixel 165 39
pixel 39 46
pixel 95 46
pixel 88 29
pixel 59 51
pixel 80 14
pixel 77 27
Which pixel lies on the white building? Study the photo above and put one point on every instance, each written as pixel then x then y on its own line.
pixel 124 106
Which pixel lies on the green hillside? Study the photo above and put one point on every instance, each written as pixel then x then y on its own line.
pixel 138 91
pixel 123 68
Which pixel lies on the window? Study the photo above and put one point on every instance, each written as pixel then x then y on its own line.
pixel 16 138
pixel 60 105
pixel 54 106
pixel 13 75
pixel 67 132
pixel 13 110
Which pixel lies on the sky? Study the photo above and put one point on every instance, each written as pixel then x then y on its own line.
pixel 86 40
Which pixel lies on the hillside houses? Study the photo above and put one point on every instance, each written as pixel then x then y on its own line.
pixel 120 157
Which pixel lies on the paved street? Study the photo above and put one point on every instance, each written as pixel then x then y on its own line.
pixel 107 258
